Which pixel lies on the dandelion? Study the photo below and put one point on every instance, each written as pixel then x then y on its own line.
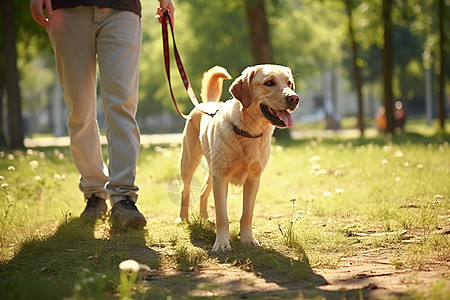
pixel 339 191
pixel 322 172
pixel 398 153
pixel 58 177
pixel 314 160
pixel 326 193
pixel 11 168
pixel 34 164
pixel 438 198
pixel 337 173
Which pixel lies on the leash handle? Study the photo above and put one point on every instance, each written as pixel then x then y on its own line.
pixel 180 66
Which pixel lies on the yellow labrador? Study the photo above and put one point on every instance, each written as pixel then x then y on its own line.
pixel 235 140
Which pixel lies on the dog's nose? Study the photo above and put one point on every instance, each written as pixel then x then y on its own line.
pixel 293 100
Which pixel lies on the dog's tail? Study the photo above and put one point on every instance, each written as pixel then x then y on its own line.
pixel 212 84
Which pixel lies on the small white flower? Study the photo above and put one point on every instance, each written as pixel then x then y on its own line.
pixel 11 168
pixel 4 185
pixel 129 265
pixel 37 178
pixel 406 164
pixel 339 191
pixel 419 166
pixel 2 178
pixel 10 156
pixel 315 167
pixel 326 193
pixel 384 161
pixel 319 172
pixel 34 164
pixel 438 197
pixel 315 159
pixel 398 179
pixel 398 153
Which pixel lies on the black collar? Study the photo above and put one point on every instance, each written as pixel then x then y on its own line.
pixel 243 133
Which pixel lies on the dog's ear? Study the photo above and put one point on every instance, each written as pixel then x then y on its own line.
pixel 241 88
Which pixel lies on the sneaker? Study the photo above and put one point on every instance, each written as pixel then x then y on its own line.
pixel 125 214
pixel 95 208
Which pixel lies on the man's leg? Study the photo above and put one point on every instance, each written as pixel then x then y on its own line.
pixel 72 35
pixel 119 41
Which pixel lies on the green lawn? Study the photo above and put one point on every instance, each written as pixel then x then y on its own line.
pixel 320 200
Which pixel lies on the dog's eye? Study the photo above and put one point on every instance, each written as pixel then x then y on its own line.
pixel 269 83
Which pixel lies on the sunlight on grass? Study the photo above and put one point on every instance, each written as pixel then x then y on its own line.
pixel 320 201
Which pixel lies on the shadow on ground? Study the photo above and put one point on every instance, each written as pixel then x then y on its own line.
pixel 72 262
pixel 256 272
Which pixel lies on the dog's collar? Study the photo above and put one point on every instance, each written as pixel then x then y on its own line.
pixel 244 133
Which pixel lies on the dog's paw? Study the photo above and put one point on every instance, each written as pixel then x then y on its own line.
pixel 180 220
pixel 250 241
pixel 221 246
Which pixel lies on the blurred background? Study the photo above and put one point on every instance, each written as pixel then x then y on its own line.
pixel 350 58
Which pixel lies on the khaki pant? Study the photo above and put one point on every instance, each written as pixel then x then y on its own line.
pixel 83 37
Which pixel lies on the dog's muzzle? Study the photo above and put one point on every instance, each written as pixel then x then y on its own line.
pixel 292 101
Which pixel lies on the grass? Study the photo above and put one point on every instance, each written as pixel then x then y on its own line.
pixel 320 200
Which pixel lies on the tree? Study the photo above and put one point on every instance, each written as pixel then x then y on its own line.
pixel 349 6
pixel 387 65
pixel 442 10
pixel 258 31
pixel 15 122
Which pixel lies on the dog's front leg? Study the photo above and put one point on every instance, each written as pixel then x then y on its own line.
pixel 251 187
pixel 220 191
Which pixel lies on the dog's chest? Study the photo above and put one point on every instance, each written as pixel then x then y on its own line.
pixel 239 159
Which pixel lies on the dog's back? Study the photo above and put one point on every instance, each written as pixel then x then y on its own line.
pixel 212 84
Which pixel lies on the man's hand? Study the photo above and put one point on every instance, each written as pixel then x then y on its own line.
pixel 165 5
pixel 37 11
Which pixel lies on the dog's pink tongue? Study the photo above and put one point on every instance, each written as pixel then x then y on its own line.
pixel 285 117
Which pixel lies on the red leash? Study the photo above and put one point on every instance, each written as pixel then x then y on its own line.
pixel 181 69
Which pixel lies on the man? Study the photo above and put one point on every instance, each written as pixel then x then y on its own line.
pixel 84 34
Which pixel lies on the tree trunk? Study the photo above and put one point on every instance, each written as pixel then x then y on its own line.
pixel 442 114
pixel 387 65
pixel 259 31
pixel 260 42
pixel 356 73
pixel 2 84
pixel 15 123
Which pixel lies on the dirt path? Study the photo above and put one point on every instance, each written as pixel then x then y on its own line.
pixel 368 274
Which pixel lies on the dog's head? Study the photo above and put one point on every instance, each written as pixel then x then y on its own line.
pixel 270 89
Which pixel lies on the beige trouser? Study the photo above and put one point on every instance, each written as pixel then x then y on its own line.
pixel 82 37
